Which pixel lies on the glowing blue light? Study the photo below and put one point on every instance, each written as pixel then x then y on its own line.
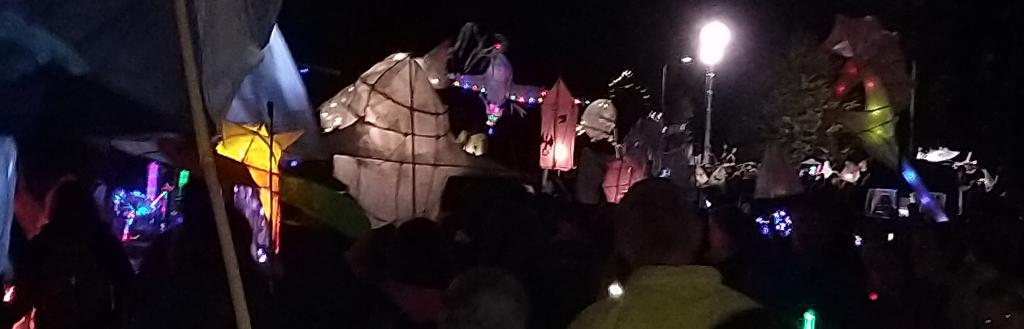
pixel 490 131
pixel 304 70
pixel 465 86
pixel 293 163
pixel 910 175
pixel 531 100
pixel 763 226
pixel 143 211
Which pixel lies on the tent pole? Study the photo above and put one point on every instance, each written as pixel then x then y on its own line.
pixel 206 161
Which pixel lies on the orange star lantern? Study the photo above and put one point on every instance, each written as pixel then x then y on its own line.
pixel 254 146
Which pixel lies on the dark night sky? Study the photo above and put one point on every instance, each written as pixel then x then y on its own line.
pixel 965 50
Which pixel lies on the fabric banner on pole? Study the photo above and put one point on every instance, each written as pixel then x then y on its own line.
pixel 558 128
pixel 129 46
pixel 276 79
pixel 8 182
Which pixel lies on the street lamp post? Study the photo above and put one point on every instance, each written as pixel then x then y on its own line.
pixel 714 37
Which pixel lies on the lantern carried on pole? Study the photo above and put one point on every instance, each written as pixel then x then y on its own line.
pixel 622 173
pixel 558 128
pixel 260 151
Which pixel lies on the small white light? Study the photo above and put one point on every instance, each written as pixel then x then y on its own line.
pixel 615 290
pixel 686 59
pixel 324 115
pixel 904 212
pixel 707 204
pixel 858 241
pixel 351 88
pixel 333 104
pixel 890 237
pixel 435 81
pixel 400 56
pixel 9 294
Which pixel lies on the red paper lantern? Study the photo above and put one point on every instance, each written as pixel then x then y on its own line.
pixel 558 129
pixel 622 173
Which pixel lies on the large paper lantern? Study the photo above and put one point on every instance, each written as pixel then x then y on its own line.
pixel 874 61
pixel 598 120
pixel 390 136
pixel 558 129
pixel 253 146
pixel 622 173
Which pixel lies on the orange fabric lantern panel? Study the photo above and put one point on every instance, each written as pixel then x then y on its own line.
pixel 558 128
pixel 252 145
pixel 622 173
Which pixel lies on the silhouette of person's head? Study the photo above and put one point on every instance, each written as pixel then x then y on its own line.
pixel 656 225
pixel 419 255
pixel 71 203
pixel 485 299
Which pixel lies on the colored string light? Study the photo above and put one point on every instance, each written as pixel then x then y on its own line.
pixel 810 319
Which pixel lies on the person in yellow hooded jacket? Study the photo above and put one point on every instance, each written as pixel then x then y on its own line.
pixel 659 235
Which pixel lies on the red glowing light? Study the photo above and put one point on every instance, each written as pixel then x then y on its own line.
pixel 870 84
pixel 873 296
pixel 840 88
pixel 543 93
pixel 475 88
pixel 497 46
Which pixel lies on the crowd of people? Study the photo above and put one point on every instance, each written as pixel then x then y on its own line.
pixel 503 257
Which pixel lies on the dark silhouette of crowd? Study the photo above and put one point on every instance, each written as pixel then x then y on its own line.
pixel 503 257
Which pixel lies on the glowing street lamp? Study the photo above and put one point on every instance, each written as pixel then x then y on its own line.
pixel 714 37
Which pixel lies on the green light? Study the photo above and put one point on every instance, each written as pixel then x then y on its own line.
pixel 183 178
pixel 809 319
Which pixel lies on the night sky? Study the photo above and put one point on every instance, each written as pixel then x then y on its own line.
pixel 966 51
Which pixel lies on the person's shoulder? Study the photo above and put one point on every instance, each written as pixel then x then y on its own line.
pixel 737 299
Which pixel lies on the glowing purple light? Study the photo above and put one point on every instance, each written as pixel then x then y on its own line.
pixel 151 180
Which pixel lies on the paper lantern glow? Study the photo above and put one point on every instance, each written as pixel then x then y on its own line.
pixel 621 175
pixel 390 135
pixel 253 145
pixel 558 129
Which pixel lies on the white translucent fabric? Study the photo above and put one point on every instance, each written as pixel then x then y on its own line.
pixel 8 181
pixel 276 79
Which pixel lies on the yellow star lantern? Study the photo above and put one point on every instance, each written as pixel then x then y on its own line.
pixel 253 145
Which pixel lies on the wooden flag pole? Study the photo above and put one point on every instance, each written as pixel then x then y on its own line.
pixel 206 161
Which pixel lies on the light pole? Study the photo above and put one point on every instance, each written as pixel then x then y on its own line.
pixel 714 37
